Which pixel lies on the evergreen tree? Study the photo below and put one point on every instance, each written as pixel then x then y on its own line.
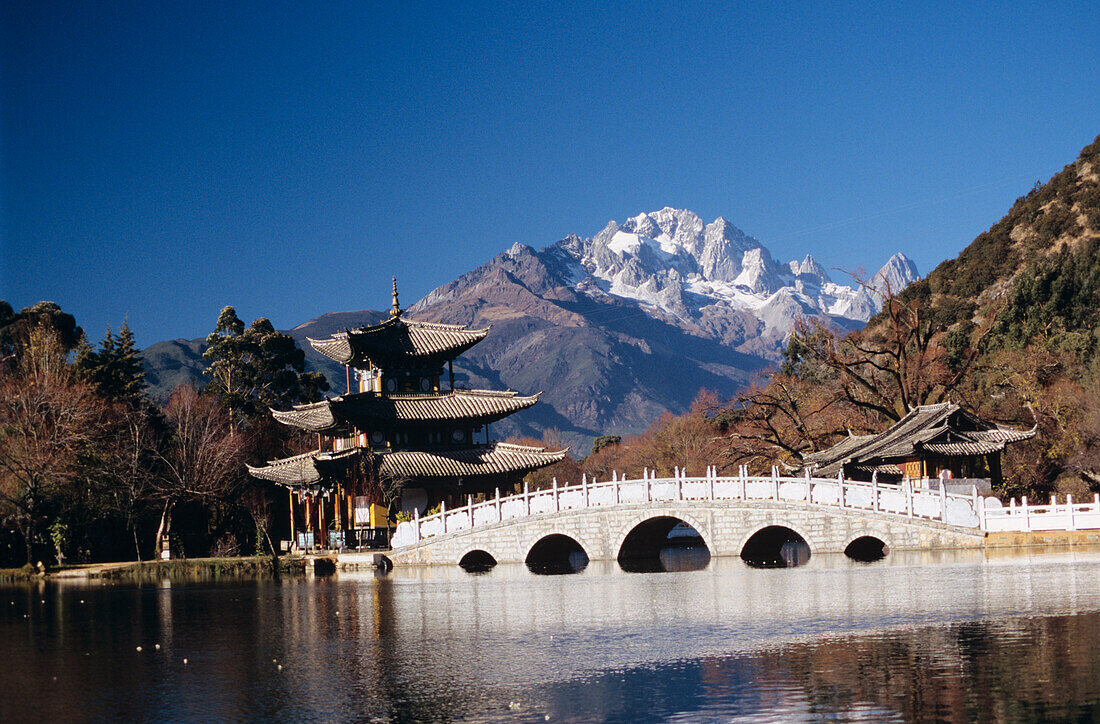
pixel 117 370
pixel 257 367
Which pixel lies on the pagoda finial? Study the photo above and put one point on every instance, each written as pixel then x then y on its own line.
pixel 396 311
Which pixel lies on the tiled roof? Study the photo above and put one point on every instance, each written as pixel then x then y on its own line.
pixel 307 470
pixel 316 469
pixel 368 410
pixel 492 459
pixel 943 429
pixel 839 451
pixel 399 343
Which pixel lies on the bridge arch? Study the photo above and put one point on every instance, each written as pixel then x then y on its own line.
pixel 550 552
pixel 641 518
pixel 766 545
pixel 867 547
pixel 776 524
pixel 477 560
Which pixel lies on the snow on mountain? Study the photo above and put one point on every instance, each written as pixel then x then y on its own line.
pixel 674 264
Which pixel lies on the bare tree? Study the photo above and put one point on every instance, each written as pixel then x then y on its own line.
pixel 47 421
pixel 202 459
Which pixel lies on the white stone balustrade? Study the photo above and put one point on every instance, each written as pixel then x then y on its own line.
pixel 965 511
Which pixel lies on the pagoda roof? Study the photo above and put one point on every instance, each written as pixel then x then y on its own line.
pixel 492 459
pixel 399 343
pixel 945 429
pixel 367 410
pixel 316 469
pixel 308 470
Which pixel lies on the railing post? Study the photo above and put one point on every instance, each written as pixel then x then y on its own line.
pixel 980 509
pixel 775 483
pixel 840 488
pixel 443 514
pixel 500 516
pixel 809 487
pixel 584 489
pixel 908 496
pixel 416 522
pixel 711 473
pixel 1069 504
pixel 874 491
pixel 557 506
pixel 679 485
pixel 1027 516
pixel 615 487
pixel 526 499
pixel 943 502
pixel 742 484
pixel 648 493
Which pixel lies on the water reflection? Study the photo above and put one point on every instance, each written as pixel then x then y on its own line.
pixel 954 636
pixel 670 559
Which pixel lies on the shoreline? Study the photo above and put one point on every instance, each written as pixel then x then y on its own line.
pixel 328 563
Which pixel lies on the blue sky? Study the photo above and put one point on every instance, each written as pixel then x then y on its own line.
pixel 159 161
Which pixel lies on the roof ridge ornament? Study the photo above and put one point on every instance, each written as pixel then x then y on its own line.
pixel 396 311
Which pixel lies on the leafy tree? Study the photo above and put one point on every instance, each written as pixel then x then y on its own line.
pixel 603 441
pixel 257 367
pixel 16 329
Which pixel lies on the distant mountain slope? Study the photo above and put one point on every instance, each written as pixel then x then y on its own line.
pixel 615 329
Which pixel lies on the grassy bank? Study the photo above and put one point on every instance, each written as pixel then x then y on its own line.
pixel 190 569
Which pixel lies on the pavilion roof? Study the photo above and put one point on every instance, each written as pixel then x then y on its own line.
pixel 399 343
pixel 491 459
pixel 369 410
pixel 308 470
pixel 318 469
pixel 944 429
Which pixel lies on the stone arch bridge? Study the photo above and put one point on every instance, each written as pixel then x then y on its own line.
pixel 604 520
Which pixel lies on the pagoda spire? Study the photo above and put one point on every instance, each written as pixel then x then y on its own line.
pixel 396 311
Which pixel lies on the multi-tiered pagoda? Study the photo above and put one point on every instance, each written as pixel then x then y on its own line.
pixel 403 439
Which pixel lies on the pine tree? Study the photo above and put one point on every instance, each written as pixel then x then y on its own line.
pixel 116 370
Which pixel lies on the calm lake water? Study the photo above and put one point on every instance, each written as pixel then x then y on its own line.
pixel 948 637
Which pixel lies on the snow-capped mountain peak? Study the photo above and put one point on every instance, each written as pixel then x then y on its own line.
pixel 674 264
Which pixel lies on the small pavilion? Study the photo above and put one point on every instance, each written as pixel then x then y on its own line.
pixel 929 441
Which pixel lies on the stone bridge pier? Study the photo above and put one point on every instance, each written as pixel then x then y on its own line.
pixel 725 526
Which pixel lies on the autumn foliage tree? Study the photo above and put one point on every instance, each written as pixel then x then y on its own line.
pixel 49 424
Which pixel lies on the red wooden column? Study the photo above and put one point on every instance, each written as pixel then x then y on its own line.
pixel 293 536
pixel 309 516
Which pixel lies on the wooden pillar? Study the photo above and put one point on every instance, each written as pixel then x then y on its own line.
pixel 321 521
pixel 336 506
pixel 351 512
pixel 293 536
pixel 309 516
